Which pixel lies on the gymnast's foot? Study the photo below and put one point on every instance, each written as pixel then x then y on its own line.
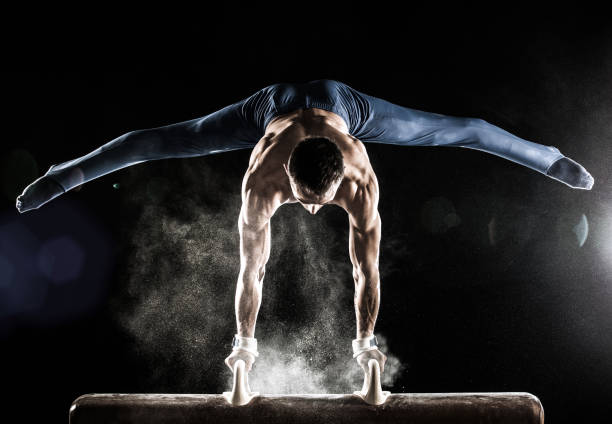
pixel 571 173
pixel 38 193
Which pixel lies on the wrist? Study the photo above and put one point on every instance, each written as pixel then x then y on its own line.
pixel 245 344
pixel 364 344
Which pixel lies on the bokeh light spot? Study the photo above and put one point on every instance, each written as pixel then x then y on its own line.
pixel 438 215
pixel 581 230
pixel 492 230
pixel 61 259
pixel 7 272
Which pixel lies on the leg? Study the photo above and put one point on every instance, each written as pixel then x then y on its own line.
pixel 230 128
pixel 380 121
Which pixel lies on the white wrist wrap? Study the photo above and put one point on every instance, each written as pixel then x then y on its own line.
pixel 364 344
pixel 247 344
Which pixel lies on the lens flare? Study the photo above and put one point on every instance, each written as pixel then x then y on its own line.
pixel 581 230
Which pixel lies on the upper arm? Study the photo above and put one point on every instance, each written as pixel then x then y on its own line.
pixel 254 229
pixel 365 229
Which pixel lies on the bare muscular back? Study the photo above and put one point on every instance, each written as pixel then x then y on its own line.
pixel 266 178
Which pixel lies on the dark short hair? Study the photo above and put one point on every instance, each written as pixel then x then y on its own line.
pixel 316 163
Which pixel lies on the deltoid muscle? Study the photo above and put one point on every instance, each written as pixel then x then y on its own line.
pixel 241 125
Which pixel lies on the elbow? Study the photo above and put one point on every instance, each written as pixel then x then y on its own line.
pixel 372 276
pixel 251 276
pixel 367 275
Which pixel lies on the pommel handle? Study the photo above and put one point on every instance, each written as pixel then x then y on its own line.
pixel 372 392
pixel 241 393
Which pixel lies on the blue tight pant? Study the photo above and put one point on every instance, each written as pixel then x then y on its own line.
pixel 241 125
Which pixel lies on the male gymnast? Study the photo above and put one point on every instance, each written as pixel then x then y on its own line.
pixel 307 141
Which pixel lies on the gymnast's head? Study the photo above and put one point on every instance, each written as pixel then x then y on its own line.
pixel 315 172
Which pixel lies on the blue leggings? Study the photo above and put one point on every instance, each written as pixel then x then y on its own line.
pixel 241 125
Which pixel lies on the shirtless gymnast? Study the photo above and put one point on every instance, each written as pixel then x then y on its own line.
pixel 307 142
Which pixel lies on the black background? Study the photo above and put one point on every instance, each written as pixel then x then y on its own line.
pixel 532 312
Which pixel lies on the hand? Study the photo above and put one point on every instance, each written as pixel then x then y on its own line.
pixel 364 357
pixel 247 357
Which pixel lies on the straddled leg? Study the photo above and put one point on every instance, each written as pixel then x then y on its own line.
pixel 230 128
pixel 379 121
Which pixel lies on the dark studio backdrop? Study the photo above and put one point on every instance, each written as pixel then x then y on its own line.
pixel 493 277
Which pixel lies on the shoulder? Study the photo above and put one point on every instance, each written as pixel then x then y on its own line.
pixel 261 197
pixel 359 192
pixel 361 202
pixel 259 151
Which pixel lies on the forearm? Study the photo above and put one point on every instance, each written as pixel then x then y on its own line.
pixel 367 302
pixel 247 302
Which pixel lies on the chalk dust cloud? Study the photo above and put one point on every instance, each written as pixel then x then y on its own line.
pixel 176 304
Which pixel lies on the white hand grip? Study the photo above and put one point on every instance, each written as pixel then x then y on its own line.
pixel 372 392
pixel 241 393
